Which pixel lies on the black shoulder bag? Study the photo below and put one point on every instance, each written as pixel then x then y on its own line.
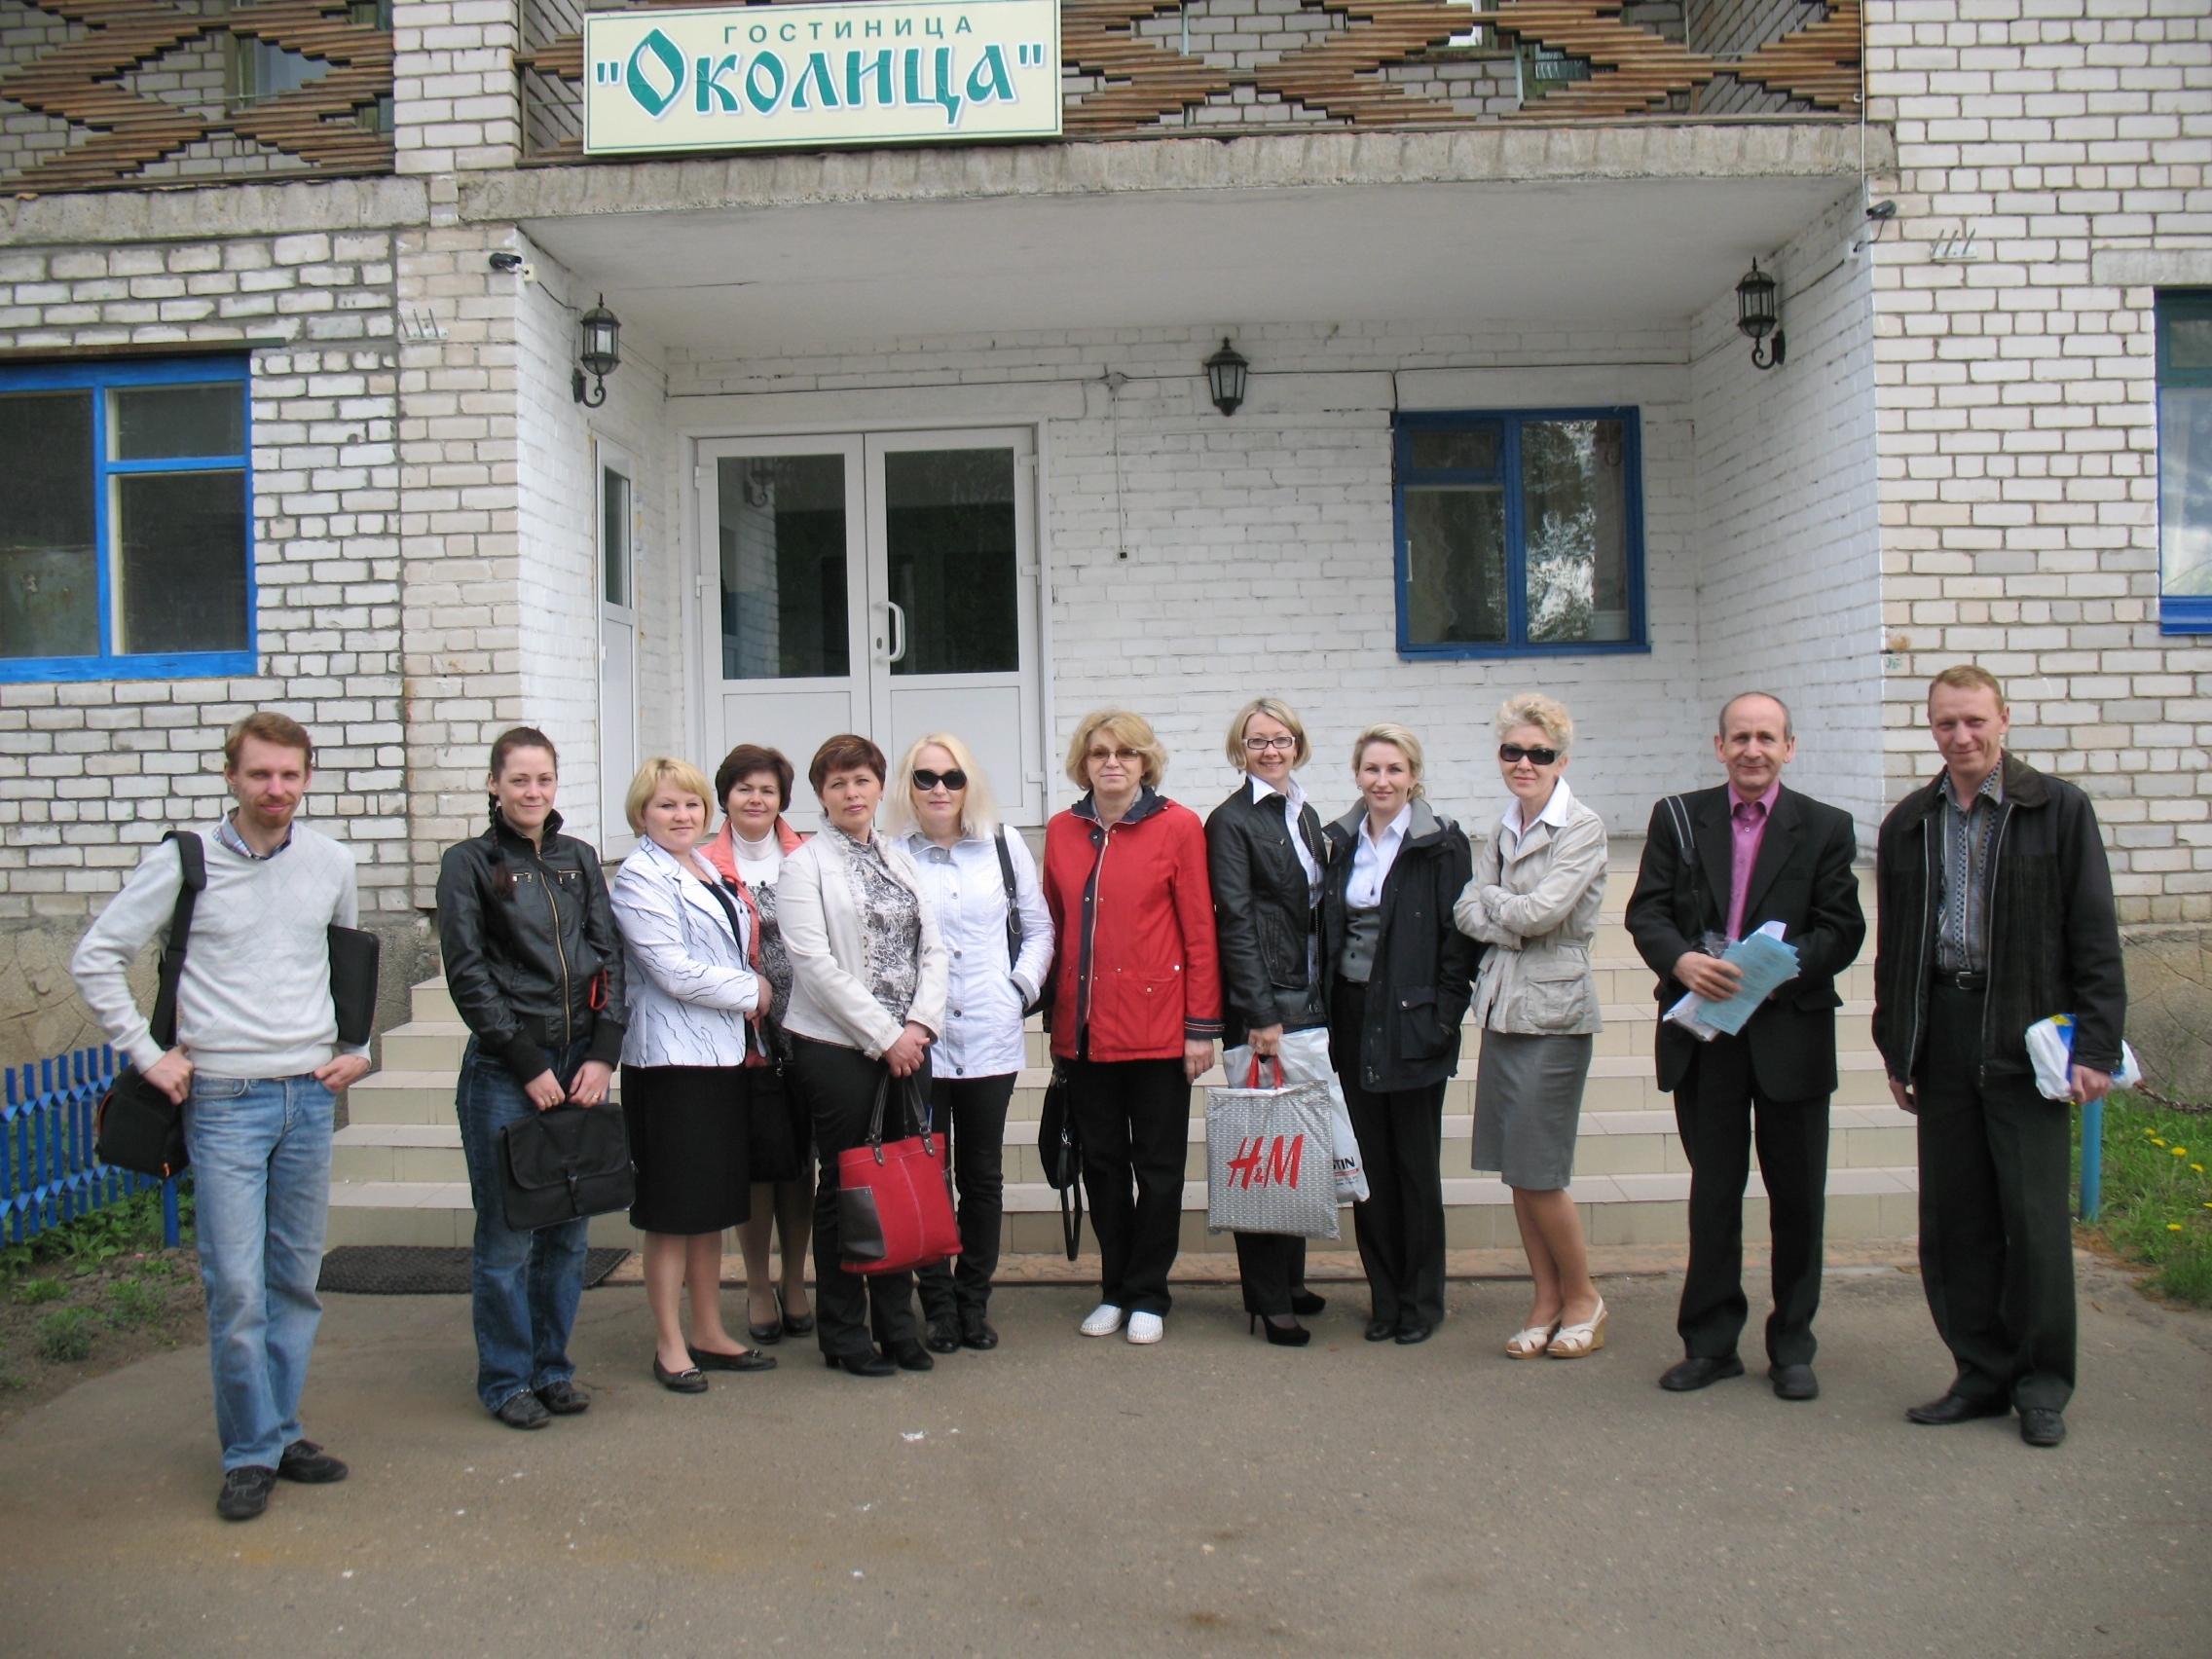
pixel 1013 934
pixel 137 1126
pixel 1061 1149
pixel 564 1163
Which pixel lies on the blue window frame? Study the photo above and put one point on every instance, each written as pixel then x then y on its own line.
pixel 2184 462
pixel 1520 533
pixel 127 524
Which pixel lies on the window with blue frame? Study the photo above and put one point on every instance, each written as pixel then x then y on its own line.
pixel 125 524
pixel 1520 533
pixel 2184 463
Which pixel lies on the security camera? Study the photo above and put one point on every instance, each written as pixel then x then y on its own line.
pixel 506 262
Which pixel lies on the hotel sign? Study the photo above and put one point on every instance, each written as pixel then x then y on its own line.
pixel 863 72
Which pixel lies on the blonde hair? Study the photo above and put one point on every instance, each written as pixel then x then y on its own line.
pixel 1968 677
pixel 1400 739
pixel 978 812
pixel 680 775
pixel 1132 731
pixel 1284 714
pixel 1547 714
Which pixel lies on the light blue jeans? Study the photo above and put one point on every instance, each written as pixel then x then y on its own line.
pixel 261 1180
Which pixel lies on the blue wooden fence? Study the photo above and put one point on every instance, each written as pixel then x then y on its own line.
pixel 49 1173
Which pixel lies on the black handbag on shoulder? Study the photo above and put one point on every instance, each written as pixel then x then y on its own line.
pixel 137 1126
pixel 565 1164
pixel 1061 1149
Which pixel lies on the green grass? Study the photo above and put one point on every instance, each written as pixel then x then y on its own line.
pixel 136 1301
pixel 135 1224
pixel 37 1290
pixel 66 1336
pixel 2157 1196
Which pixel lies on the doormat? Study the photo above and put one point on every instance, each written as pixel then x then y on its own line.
pixel 423 1269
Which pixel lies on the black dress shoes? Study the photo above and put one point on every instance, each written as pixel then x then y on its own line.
pixel 945 1335
pixel 690 1380
pixel 793 1324
pixel 523 1411
pixel 311 1466
pixel 1305 1304
pixel 752 1359
pixel 910 1355
pixel 563 1398
pixel 2039 1425
pixel 1695 1371
pixel 1793 1381
pixel 1956 1408
pixel 868 1362
pixel 246 1491
pixel 1408 1335
pixel 1381 1330
pixel 976 1332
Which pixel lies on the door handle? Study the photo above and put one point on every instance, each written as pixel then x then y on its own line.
pixel 898 632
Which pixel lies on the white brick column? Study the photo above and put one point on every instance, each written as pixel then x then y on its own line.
pixel 455 107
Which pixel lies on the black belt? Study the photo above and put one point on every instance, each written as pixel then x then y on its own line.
pixel 1960 979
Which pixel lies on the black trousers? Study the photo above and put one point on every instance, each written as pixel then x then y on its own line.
pixel 1135 1118
pixel 1270 1264
pixel 970 1113
pixel 1720 1109
pixel 1996 1233
pixel 839 1086
pixel 1401 1146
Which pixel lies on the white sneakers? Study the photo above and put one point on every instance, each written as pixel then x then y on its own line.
pixel 1106 1319
pixel 1146 1327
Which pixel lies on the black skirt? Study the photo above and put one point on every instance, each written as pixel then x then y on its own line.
pixel 780 1128
pixel 688 1139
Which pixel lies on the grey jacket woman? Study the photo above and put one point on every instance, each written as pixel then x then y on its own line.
pixel 691 988
pixel 1535 899
pixel 824 933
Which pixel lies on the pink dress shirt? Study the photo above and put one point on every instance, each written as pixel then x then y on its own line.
pixel 1747 828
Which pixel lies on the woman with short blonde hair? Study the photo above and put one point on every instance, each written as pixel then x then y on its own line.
pixel 694 1004
pixel 979 802
pixel 1129 733
pixel 1400 739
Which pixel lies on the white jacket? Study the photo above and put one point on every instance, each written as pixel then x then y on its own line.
pixel 1538 906
pixel 822 931
pixel 985 993
pixel 689 985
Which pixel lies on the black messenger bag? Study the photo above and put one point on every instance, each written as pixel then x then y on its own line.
pixel 564 1163
pixel 137 1126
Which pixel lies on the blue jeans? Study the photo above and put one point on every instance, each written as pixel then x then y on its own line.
pixel 525 1285
pixel 261 1178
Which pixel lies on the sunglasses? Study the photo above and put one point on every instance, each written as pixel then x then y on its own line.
pixel 955 779
pixel 1509 753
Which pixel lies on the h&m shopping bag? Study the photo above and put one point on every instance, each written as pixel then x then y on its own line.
pixel 1304 1058
pixel 1270 1164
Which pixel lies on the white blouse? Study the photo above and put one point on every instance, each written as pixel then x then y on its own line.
pixel 982 1009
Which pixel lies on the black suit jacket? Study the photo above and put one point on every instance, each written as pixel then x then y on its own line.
pixel 1804 880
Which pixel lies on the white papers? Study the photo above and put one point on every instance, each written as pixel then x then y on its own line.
pixel 2050 1046
pixel 1766 960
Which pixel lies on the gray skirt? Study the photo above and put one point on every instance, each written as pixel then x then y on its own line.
pixel 1529 1105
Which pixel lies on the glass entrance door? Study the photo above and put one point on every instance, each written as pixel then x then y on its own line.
pixel 879 584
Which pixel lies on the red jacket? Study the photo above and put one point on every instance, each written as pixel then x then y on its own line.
pixel 1132 912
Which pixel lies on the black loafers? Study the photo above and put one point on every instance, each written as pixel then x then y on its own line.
pixel 866 1363
pixel 752 1359
pixel 910 1355
pixel 976 1332
pixel 245 1493
pixel 563 1398
pixel 1956 1408
pixel 1696 1372
pixel 523 1411
pixel 690 1380
pixel 310 1464
pixel 1793 1381
pixel 1408 1335
pixel 2039 1425
pixel 1381 1330
pixel 945 1335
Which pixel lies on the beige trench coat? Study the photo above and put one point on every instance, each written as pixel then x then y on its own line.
pixel 1537 908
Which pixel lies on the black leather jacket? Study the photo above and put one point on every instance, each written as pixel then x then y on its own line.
pixel 1262 920
pixel 529 947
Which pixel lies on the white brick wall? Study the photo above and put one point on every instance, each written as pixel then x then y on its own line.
pixel 2018 427
pixel 91 773
pixel 455 106
pixel 1788 567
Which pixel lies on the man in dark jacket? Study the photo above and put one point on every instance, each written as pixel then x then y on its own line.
pixel 1996 912
pixel 1720 863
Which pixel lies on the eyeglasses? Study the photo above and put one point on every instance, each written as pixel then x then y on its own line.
pixel 1123 755
pixel 955 779
pixel 1261 744
pixel 1509 753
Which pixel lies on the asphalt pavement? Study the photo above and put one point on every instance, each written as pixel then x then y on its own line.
pixel 1212 1496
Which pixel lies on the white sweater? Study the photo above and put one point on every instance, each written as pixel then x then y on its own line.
pixel 255 999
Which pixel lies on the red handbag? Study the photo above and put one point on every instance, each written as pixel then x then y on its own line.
pixel 895 1201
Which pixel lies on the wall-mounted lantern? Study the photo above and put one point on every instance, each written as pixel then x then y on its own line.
pixel 602 353
pixel 1224 378
pixel 1758 315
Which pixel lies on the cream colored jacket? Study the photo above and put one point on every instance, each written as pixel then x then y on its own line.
pixel 820 926
pixel 1538 909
